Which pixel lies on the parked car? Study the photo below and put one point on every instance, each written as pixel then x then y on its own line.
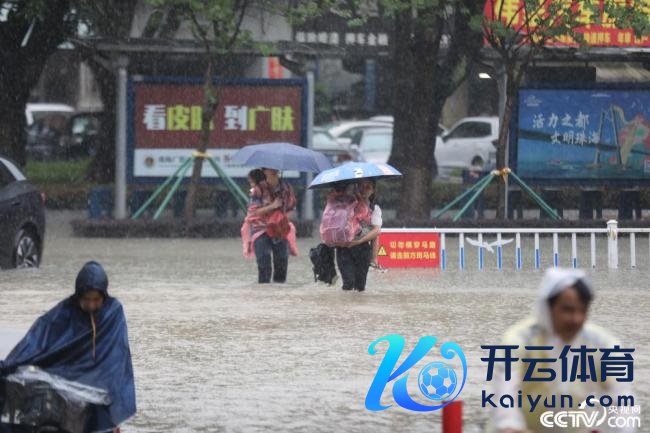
pixel 37 111
pixel 390 119
pixel 22 219
pixel 344 131
pixel 326 144
pixel 373 145
pixel 471 142
pixel 382 118
pixel 58 136
pixel 46 125
pixel 81 136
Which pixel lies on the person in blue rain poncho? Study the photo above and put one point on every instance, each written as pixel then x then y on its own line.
pixel 83 339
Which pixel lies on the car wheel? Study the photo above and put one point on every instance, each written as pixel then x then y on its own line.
pixel 26 252
pixel 478 162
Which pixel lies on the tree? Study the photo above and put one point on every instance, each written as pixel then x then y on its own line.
pixel 518 36
pixel 108 19
pixel 217 26
pixel 30 31
pixel 434 48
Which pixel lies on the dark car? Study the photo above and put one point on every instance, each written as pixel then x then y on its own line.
pixel 63 135
pixel 82 134
pixel 22 219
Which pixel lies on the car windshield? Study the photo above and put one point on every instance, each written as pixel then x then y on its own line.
pixel 471 130
pixel 376 142
pixel 57 116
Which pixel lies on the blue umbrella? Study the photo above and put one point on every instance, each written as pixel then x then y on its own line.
pixel 352 171
pixel 282 156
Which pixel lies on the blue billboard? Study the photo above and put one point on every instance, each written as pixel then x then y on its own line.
pixel 588 136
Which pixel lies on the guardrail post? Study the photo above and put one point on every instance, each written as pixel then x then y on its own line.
pixel 612 244
pixel 633 250
pixel 518 247
pixel 480 252
pixel 593 250
pixel 574 251
pixel 461 251
pixel 443 252
pixel 538 256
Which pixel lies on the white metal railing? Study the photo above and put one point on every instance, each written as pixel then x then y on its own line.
pixel 612 231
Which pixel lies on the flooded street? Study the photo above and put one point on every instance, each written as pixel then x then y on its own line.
pixel 215 352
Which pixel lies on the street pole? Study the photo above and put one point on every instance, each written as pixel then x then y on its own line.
pixel 308 205
pixel 502 83
pixel 120 139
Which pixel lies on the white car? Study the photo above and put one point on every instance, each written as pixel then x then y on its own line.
pixel 471 142
pixel 40 110
pixel 345 131
pixel 374 145
pixel 382 118
pixel 324 143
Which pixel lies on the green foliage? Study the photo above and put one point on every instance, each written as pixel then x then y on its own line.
pixel 57 172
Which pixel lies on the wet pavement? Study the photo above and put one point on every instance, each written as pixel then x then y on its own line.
pixel 215 352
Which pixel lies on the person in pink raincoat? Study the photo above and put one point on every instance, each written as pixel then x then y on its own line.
pixel 272 253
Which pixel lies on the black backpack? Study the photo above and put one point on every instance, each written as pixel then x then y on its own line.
pixel 322 257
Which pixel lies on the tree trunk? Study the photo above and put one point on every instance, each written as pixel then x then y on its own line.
pixel 111 19
pixel 12 121
pixel 102 167
pixel 413 133
pixel 22 59
pixel 511 94
pixel 210 103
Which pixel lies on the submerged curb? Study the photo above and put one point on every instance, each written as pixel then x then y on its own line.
pixel 168 228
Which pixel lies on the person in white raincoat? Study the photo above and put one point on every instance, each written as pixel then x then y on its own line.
pixel 560 320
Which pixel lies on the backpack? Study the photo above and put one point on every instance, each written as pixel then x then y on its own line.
pixel 322 259
pixel 339 224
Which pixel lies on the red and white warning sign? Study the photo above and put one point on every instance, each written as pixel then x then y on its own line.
pixel 401 248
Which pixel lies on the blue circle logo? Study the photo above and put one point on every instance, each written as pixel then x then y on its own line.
pixel 437 381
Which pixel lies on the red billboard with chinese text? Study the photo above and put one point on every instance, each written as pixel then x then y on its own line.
pixel 166 118
pixel 597 31
pixel 409 249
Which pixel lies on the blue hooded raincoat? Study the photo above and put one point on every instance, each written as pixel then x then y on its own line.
pixel 64 342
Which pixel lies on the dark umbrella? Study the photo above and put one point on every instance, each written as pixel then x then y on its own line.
pixel 282 156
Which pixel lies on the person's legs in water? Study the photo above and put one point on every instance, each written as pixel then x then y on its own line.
pixel 362 256
pixel 280 249
pixel 345 262
pixel 262 247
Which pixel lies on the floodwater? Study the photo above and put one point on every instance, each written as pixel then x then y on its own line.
pixel 215 352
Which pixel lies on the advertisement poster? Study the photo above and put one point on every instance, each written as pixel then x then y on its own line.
pixel 595 135
pixel 597 31
pixel 166 119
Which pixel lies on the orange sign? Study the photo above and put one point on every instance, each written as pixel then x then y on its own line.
pixel 406 249
pixel 597 31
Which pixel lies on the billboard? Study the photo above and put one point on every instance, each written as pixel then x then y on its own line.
pixel 166 120
pixel 597 31
pixel 589 135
